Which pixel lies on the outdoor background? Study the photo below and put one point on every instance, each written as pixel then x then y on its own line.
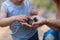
pixel 45 8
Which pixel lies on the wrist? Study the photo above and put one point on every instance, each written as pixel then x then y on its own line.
pixel 14 18
pixel 46 21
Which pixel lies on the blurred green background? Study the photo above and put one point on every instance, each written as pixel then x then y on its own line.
pixel 43 3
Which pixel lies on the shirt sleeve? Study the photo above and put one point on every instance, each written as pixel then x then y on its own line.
pixel 4 4
pixel 28 3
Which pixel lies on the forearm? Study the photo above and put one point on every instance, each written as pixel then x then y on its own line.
pixel 57 5
pixel 7 21
pixel 57 12
pixel 55 24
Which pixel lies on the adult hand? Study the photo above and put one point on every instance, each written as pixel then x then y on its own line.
pixel 36 24
pixel 39 23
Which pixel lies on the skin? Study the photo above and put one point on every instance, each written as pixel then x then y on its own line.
pixel 56 22
pixel 52 23
pixel 17 2
pixel 5 21
pixel 33 12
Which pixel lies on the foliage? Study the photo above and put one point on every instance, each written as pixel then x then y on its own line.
pixel 44 3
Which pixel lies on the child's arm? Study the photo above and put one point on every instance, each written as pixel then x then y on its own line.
pixel 5 21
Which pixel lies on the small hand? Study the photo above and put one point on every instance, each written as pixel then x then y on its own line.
pixel 26 24
pixel 33 12
pixel 22 18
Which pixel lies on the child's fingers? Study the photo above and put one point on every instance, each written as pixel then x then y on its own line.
pixel 26 24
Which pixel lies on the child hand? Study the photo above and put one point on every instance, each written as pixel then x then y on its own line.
pixel 21 18
pixel 33 12
pixel 25 24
